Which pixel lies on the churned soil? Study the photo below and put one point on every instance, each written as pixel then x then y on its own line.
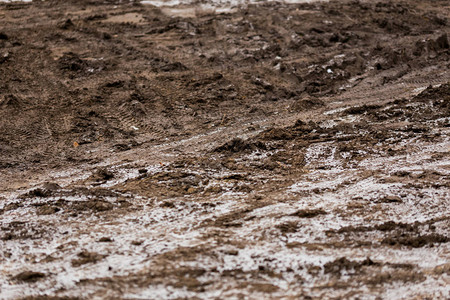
pixel 265 150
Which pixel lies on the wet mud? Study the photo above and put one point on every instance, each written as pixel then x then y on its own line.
pixel 265 150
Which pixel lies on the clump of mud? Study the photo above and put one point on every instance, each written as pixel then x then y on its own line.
pixel 239 145
pixel 29 276
pixel 258 152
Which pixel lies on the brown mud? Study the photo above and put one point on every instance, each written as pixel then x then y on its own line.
pixel 273 150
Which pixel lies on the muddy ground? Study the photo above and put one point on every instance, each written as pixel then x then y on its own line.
pixel 295 151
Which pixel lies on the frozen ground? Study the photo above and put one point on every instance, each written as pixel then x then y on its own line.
pixel 275 151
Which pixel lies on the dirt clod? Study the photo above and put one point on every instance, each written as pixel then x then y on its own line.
pixel 29 276
pixel 239 145
pixel 86 257
pixel 308 213
pixel 247 149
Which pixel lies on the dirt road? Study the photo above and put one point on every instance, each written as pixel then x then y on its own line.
pixel 270 150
